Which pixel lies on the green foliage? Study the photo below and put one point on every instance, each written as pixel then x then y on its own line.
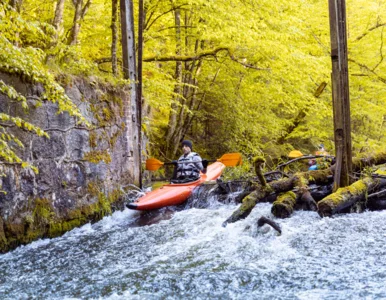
pixel 21 54
pixel 255 96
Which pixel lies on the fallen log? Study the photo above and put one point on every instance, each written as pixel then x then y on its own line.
pixel 299 181
pixel 346 197
pixel 264 220
pixel 376 201
pixel 284 205
pixel 376 204
pixel 377 159
pixel 333 203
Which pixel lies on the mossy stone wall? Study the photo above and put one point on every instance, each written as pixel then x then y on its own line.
pixel 82 170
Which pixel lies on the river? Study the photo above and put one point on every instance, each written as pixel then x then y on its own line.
pixel 187 254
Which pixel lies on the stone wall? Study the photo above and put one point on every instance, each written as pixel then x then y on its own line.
pixel 82 170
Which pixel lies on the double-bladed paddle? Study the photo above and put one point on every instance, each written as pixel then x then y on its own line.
pixel 228 159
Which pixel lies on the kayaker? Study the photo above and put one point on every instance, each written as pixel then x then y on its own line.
pixel 312 165
pixel 189 165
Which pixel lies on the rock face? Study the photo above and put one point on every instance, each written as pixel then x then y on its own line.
pixel 82 170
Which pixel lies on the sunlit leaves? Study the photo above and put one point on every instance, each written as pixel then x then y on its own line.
pixel 22 54
pixel 243 109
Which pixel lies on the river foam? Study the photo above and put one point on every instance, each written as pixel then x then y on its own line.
pixel 188 254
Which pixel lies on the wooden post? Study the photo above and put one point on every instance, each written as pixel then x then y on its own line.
pixel 129 71
pixel 141 20
pixel 340 93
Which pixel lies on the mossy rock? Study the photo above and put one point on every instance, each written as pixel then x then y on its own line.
pixel 43 222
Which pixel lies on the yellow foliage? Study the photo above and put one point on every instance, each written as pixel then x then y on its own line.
pixel 259 91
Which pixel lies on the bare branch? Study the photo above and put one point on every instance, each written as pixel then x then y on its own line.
pixel 202 55
pixel 85 9
pixel 247 65
pixel 186 58
pixel 303 158
pixel 368 69
pixel 147 25
pixel 380 51
pixel 105 60
pixel 368 31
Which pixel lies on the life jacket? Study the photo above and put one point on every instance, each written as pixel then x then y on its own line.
pixel 187 167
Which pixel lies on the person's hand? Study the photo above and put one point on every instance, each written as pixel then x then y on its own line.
pixel 205 163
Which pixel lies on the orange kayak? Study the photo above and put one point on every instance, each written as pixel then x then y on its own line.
pixel 174 194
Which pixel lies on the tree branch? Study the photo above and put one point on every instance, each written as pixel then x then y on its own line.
pixel 147 25
pixel 370 29
pixel 302 158
pixel 247 65
pixel 380 51
pixel 184 57
pixel 201 55
pixel 368 69
pixel 85 9
pixel 103 60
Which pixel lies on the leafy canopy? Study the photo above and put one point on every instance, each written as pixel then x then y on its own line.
pixel 257 94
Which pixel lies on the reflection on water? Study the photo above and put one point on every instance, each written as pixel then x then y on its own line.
pixel 178 254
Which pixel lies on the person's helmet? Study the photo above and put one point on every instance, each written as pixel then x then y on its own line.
pixel 295 154
pixel 321 150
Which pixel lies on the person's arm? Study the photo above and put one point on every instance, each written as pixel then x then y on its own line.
pixel 198 162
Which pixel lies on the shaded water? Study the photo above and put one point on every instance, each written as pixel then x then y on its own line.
pixel 188 255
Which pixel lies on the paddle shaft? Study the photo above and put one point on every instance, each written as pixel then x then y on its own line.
pixel 228 159
pixel 185 162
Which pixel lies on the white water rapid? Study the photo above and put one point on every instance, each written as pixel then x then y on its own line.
pixel 189 255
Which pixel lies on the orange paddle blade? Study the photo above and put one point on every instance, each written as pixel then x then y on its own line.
pixel 231 159
pixel 153 164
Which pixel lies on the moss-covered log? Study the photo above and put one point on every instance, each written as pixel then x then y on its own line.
pixel 348 196
pixel 299 181
pixel 373 160
pixel 284 205
pixel 249 202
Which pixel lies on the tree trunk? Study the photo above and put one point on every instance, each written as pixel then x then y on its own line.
pixel 190 118
pixel 340 93
pixel 58 19
pixel 188 98
pixel 16 4
pixel 299 182
pixel 114 34
pixel 189 93
pixel 170 143
pixel 79 14
pixel 284 205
